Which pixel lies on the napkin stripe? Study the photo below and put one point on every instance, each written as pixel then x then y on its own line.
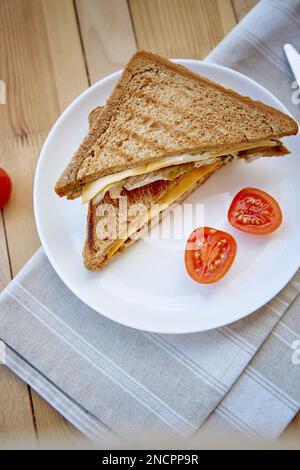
pixel 121 378
pixel 283 300
pixel 266 386
pixel 91 426
pixel 285 334
pixel 183 359
pixel 236 421
pixel 274 309
pixel 264 50
pixel 291 14
pixel 279 304
pixel 282 338
pixel 272 388
pixel 237 339
pixel 25 296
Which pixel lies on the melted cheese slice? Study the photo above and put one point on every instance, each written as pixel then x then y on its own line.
pixel 163 203
pixel 90 190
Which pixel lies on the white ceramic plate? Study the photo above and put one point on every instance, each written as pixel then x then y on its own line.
pixel 147 287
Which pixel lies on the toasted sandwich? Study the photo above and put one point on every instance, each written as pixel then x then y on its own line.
pixel 162 132
pixel 161 114
pixel 153 200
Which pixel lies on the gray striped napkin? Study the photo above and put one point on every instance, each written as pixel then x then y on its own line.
pixel 115 382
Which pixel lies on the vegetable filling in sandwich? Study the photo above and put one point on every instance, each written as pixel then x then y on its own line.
pixel 169 168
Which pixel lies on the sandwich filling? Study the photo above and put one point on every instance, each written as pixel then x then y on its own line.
pixel 167 168
pixel 170 197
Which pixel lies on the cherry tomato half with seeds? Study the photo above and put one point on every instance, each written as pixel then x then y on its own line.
pixel 5 187
pixel 255 211
pixel 209 254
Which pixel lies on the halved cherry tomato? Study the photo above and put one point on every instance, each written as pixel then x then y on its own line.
pixel 209 254
pixel 5 187
pixel 255 211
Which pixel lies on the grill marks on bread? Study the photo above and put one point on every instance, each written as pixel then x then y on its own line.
pixel 192 111
pixel 187 112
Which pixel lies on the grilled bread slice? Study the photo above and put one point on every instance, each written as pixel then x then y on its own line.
pixel 99 250
pixel 160 109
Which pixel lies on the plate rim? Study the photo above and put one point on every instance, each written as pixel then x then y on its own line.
pixel 44 244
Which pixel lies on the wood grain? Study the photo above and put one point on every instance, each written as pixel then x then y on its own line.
pixel 242 7
pixel 18 215
pixel 292 432
pixel 5 274
pixel 107 35
pixel 176 28
pixel 16 420
pixel 43 74
pixel 54 431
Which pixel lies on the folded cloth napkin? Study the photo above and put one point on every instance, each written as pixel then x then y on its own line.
pixel 111 381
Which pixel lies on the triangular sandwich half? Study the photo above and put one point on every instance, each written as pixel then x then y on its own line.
pixel 161 115
pixel 109 233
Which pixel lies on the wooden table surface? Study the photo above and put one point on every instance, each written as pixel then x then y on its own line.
pixel 50 51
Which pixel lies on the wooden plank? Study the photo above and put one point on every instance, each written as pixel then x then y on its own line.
pixel 242 7
pixel 16 420
pixel 176 28
pixel 42 76
pixel 67 63
pixel 295 427
pixel 53 430
pixel 45 72
pixel 107 35
pixel 227 16
pixel 4 265
pixel 292 432
pixel 18 215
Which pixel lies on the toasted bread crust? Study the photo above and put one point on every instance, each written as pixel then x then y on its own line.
pixel 96 158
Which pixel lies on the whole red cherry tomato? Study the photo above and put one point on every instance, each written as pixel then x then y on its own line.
pixel 5 187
